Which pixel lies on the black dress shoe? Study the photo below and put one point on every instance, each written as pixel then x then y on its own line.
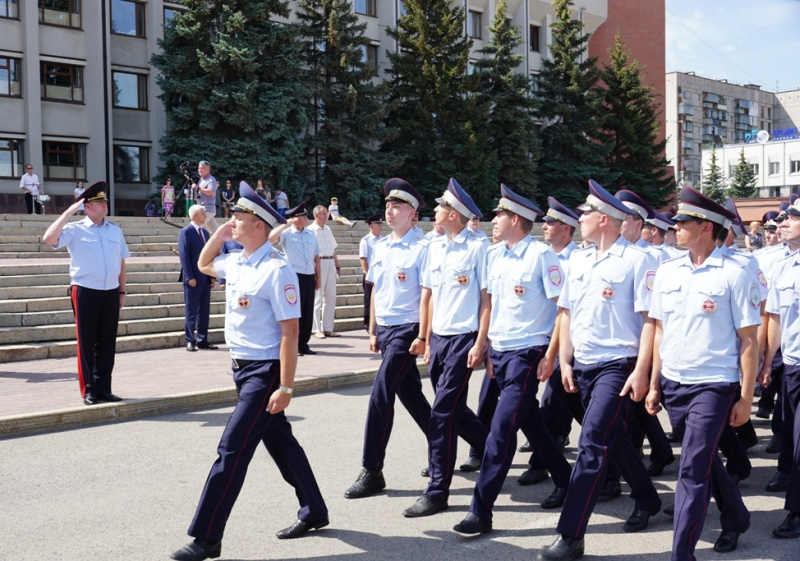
pixel 198 550
pixel 563 549
pixel 369 482
pixel 762 413
pixel 728 541
pixel 739 477
pixel 611 490
pixel 532 476
pixel 556 498
pixel 669 510
pixel 90 400
pixel 425 472
pixel 639 519
pixel 308 352
pixel 657 468
pixel 301 528
pixel 191 347
pixel 778 483
pixel 775 444
pixel 110 397
pixel 425 506
pixel 473 524
pixel 525 448
pixel 207 346
pixel 562 442
pixel 790 528
pixel 472 464
pixel 674 438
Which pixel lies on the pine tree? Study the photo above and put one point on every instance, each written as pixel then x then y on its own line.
pixel 433 104
pixel 569 105
pixel 630 126
pixel 713 181
pixel 232 87
pixel 511 127
pixel 346 109
pixel 743 182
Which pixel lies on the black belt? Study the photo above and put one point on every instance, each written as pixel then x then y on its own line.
pixel 239 363
pixel 326 257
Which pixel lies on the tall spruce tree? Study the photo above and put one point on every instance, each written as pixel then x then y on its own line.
pixel 743 182
pixel 629 125
pixel 569 105
pixel 713 181
pixel 346 109
pixel 433 104
pixel 511 126
pixel 233 90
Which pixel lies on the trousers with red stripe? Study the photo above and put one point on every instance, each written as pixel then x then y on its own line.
pixel 249 426
pixel 96 319
pixel 603 439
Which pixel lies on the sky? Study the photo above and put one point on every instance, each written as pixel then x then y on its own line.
pixel 743 41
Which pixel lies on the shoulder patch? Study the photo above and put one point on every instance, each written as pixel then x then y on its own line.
pixel 734 259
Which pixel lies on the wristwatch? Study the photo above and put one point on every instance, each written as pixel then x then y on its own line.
pixel 287 391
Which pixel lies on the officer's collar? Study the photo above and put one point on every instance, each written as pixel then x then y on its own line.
pixel 89 223
pixel 409 237
pixel 461 237
pixel 257 256
pixel 295 230
pixel 618 246
pixel 714 259
pixel 520 247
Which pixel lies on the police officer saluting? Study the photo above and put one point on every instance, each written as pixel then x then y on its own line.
pixel 261 330
pixel 707 312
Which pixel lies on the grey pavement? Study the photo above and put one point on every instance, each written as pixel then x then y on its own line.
pixel 127 491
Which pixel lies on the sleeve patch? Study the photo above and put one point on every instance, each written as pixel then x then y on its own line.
pixel 755 295
pixel 554 273
pixel 290 293
pixel 649 280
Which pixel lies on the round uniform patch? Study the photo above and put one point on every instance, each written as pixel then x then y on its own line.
pixel 608 293
pixel 462 279
pixel 273 255
pixel 243 302
pixel 755 295
pixel 554 273
pixel 649 280
pixel 709 306
pixel 762 278
pixel 290 293
pixel 401 276
pixel 519 290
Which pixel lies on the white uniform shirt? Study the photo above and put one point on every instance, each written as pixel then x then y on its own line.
pixel 31 181
pixel 784 299
pixel 96 253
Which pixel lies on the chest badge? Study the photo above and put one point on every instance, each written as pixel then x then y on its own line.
pixel 243 302
pixel 709 306
pixel 608 293
pixel 401 276
pixel 519 290
pixel 462 279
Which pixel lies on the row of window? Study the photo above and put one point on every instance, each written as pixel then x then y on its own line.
pixel 127 16
pixel 64 82
pixel 774 168
pixel 67 161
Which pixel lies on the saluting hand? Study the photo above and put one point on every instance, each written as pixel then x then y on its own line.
pixel 225 232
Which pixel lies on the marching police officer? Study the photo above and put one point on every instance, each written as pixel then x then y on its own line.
pixel 365 249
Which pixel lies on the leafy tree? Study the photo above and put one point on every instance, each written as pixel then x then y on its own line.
pixel 569 105
pixel 433 104
pixel 511 126
pixel 713 181
pixel 629 125
pixel 346 109
pixel 233 92
pixel 743 182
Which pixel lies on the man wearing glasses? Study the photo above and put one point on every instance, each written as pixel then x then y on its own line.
pixel 30 184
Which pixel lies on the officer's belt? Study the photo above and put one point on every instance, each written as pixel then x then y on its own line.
pixel 326 256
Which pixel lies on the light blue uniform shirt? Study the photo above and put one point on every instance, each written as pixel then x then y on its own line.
pixel 563 257
pixel 606 299
pixel 367 246
pixel 751 265
pixel 96 253
pixel 700 310
pixel 260 291
pixel 300 249
pixel 456 274
pixel 767 256
pixel 784 299
pixel 396 272
pixel 523 283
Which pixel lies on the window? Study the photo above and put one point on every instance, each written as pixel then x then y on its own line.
pixel 9 9
pixel 755 169
pixel 127 18
pixel 66 13
pixel 773 192
pixel 401 9
pixel 794 166
pixel 475 25
pixel 62 81
pixel 472 67
pixel 11 155
pixel 131 164
pixel 9 77
pixel 64 160
pixel 366 7
pixel 130 90
pixel 369 54
pixel 687 126
pixel 534 37
pixel 169 13
pixel 769 112
pixel 534 77
pixel 774 168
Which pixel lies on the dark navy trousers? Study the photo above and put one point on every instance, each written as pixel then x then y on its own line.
pixel 450 415
pixel 96 321
pixel 305 287
pixel 397 376
pixel 705 410
pixel 249 425
pixel 515 373
pixel 791 400
pixel 487 404
pixel 603 438
pixel 197 302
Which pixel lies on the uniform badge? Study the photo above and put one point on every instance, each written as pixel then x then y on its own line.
pixel 243 302
pixel 762 278
pixel 709 306
pixel 519 290
pixel 755 295
pixel 290 293
pixel 273 255
pixel 462 279
pixel 554 273
pixel 608 293
pixel 401 276
pixel 649 280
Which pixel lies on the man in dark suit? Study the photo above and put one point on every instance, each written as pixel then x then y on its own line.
pixel 196 285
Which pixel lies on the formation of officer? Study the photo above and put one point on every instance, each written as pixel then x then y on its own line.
pixel 97 251
pixel 196 285
pixel 261 329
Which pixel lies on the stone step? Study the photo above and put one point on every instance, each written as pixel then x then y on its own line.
pixel 350 312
